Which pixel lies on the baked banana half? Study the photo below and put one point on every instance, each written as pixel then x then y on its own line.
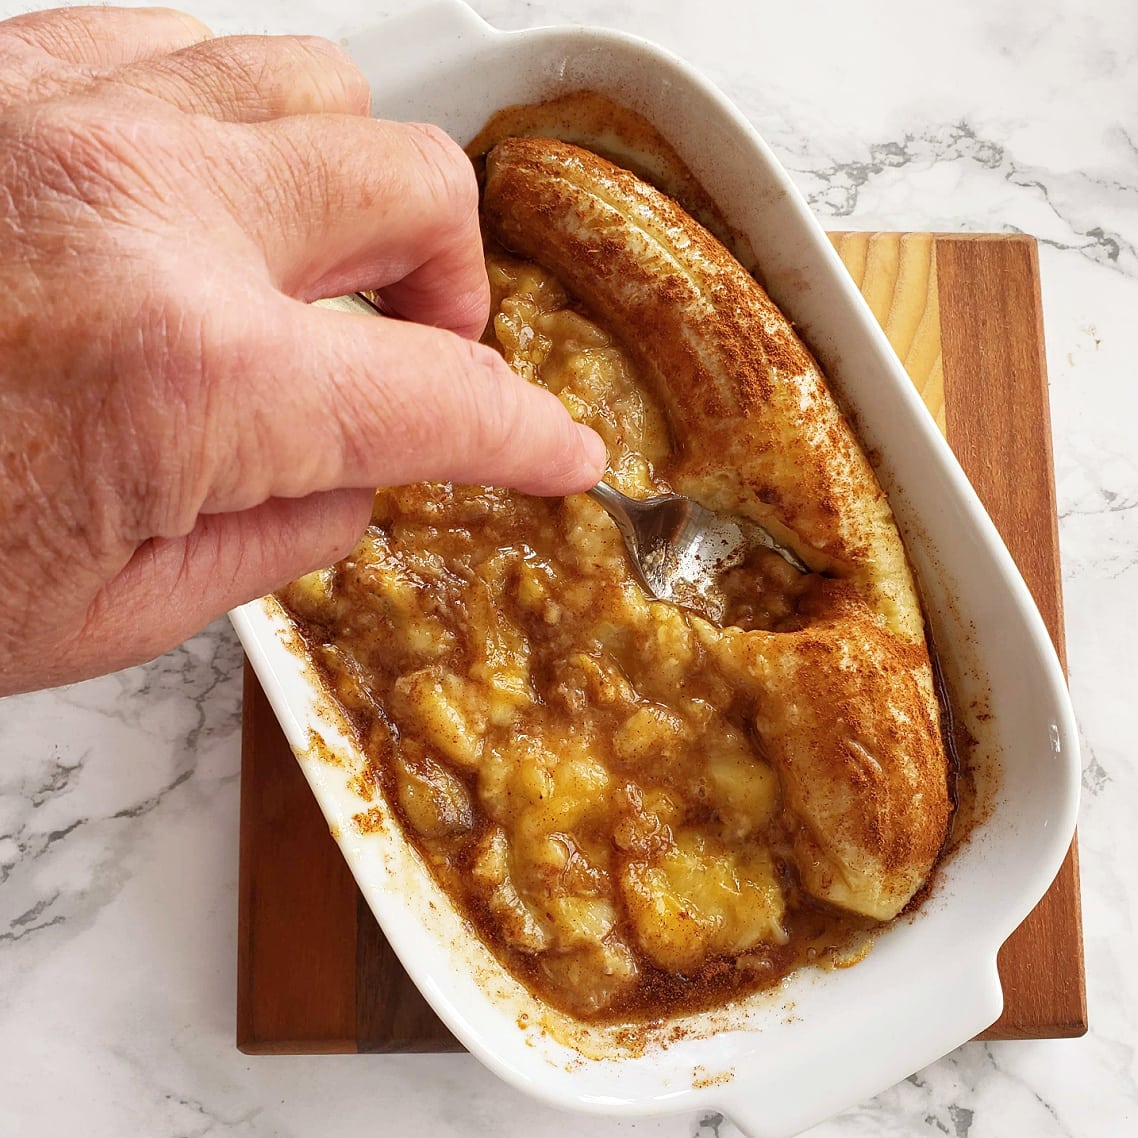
pixel 847 712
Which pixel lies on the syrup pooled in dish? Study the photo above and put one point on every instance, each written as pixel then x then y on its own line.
pixel 642 812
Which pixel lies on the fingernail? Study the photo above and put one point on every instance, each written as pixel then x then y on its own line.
pixel 594 448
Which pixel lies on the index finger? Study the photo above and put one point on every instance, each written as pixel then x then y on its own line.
pixel 306 400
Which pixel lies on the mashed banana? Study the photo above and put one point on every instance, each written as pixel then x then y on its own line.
pixel 640 811
pixel 575 763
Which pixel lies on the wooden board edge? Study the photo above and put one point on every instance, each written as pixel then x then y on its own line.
pixel 1026 1022
pixel 273 786
pixel 306 1046
pixel 246 883
pixel 391 1013
pixel 1058 914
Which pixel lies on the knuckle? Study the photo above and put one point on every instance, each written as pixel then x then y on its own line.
pixel 29 74
pixel 19 59
pixel 290 175
pixel 452 179
pixel 222 69
pixel 300 73
pixel 335 77
pixel 61 32
pixel 78 157
pixel 192 363
pixel 494 402
pixel 467 404
pixel 327 53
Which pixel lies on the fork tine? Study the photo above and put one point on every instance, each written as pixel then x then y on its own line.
pixel 679 549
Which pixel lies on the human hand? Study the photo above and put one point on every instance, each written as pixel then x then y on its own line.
pixel 179 430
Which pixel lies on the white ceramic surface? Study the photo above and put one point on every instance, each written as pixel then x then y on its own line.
pixel 118 797
pixel 930 984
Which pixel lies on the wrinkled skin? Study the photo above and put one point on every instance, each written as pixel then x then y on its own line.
pixel 179 431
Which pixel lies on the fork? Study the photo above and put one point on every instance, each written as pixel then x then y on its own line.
pixel 679 550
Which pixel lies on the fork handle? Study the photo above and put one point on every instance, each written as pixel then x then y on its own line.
pixel 352 302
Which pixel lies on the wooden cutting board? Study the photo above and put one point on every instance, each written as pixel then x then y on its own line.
pixel 315 973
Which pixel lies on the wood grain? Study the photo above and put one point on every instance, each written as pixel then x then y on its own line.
pixel 391 1013
pixel 297 930
pixel 896 273
pixel 992 328
pixel 963 313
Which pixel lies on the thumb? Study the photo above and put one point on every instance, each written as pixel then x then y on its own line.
pixel 172 587
pixel 348 400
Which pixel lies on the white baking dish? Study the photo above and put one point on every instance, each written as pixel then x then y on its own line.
pixel 779 1062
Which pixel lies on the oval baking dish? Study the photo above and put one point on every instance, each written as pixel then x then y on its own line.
pixel 779 1061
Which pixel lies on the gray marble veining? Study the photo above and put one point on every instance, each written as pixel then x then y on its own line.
pixel 118 797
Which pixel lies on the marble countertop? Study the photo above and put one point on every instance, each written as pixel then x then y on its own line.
pixel 118 797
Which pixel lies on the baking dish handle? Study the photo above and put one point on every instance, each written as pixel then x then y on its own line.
pixel 968 999
pixel 424 41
